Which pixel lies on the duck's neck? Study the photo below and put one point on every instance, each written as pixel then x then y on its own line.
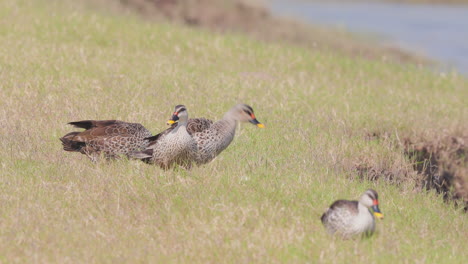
pixel 230 116
pixel 365 215
pixel 226 129
pixel 229 122
pixel 181 126
pixel 365 221
pixel 362 209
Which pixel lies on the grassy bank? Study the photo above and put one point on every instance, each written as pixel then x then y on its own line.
pixel 332 121
pixel 253 18
pixel 442 2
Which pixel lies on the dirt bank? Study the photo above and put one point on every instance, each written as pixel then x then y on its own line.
pixel 433 162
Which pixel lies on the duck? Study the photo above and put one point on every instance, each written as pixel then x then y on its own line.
pixel 109 138
pixel 211 138
pixel 175 145
pixel 351 218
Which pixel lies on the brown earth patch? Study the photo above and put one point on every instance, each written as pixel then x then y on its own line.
pixel 437 163
pixel 443 163
pixel 393 168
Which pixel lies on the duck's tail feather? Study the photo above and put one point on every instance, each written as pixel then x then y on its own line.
pixel 69 144
pixel 144 154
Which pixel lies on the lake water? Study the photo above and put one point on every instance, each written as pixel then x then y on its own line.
pixel 436 31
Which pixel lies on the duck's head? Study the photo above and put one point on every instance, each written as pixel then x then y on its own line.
pixel 180 115
pixel 370 199
pixel 244 113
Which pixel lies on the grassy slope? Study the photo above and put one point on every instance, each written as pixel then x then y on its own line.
pixel 429 1
pixel 254 19
pixel 446 2
pixel 261 200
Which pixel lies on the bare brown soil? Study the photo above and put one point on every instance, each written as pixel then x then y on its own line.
pixel 437 163
pixel 444 164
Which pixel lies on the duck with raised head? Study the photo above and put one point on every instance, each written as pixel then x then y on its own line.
pixel 216 138
pixel 110 138
pixel 349 218
pixel 210 138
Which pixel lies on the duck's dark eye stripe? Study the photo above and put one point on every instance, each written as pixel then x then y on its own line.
pixel 373 194
pixel 250 109
pixel 182 109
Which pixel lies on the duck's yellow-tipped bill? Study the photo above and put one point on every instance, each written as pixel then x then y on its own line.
pixel 170 122
pixel 378 215
pixel 260 125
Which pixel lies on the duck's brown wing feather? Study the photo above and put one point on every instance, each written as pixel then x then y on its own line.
pixel 105 128
pixel 351 206
pixel 69 144
pixel 195 125
pixel 88 124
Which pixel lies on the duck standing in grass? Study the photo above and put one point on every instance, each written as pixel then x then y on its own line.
pixel 110 138
pixel 174 145
pixel 210 138
pixel 349 218
pixel 213 140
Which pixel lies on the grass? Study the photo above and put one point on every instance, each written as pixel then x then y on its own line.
pixel 443 2
pixel 253 18
pixel 260 201
pixel 446 2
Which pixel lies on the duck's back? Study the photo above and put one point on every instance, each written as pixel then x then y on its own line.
pixel 196 125
pixel 210 138
pixel 339 217
pixel 111 137
pixel 212 141
pixel 348 218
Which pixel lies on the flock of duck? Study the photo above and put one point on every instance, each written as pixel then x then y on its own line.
pixel 187 141
pixel 198 141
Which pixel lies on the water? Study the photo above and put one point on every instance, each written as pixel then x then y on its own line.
pixel 436 31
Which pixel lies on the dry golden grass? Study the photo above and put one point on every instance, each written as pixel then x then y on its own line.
pixel 260 201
